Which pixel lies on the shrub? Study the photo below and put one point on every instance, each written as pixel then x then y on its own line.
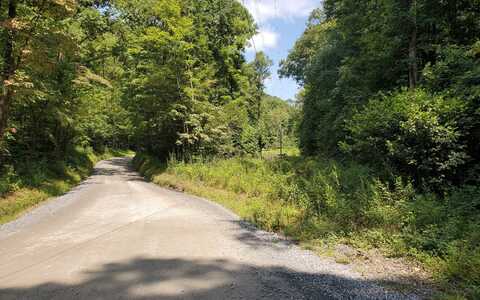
pixel 412 133
pixel 9 180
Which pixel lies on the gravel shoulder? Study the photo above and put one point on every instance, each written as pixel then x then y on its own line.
pixel 117 236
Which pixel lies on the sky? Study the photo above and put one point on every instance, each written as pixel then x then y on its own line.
pixel 280 23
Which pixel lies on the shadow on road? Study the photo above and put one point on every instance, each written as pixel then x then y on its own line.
pixel 143 278
pixel 250 235
pixel 114 166
pixel 120 167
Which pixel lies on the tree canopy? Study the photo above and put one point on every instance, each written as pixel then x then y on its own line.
pixel 160 76
pixel 392 83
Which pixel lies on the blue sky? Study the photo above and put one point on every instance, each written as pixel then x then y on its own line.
pixel 281 23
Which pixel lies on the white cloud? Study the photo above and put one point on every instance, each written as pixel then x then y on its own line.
pixel 263 40
pixel 266 10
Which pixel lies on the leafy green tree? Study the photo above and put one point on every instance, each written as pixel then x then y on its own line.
pixel 182 70
pixel 412 133
pixel 260 72
pixel 352 50
pixel 260 67
pixel 28 32
pixel 277 123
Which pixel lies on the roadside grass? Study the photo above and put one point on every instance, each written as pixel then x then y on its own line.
pixel 40 180
pixel 287 151
pixel 321 203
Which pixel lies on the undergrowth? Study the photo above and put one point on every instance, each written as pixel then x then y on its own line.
pixel 319 200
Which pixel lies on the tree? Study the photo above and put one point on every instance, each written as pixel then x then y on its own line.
pixel 24 25
pixel 352 50
pixel 260 69
pixel 353 53
pixel 8 64
pixel 183 69
pixel 277 123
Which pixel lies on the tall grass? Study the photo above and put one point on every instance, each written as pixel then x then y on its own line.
pixel 318 200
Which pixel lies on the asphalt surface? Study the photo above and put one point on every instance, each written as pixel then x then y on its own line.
pixel 117 236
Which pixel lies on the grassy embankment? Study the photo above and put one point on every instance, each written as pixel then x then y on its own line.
pixel 320 203
pixel 36 181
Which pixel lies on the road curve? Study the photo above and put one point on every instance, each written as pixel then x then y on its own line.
pixel 117 236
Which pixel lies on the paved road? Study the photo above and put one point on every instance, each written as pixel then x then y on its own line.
pixel 117 236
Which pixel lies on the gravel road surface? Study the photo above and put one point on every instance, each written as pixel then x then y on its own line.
pixel 117 236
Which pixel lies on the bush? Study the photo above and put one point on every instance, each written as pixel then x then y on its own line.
pixel 413 133
pixel 462 267
pixel 9 181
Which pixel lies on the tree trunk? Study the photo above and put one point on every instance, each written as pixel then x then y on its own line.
pixel 8 70
pixel 412 48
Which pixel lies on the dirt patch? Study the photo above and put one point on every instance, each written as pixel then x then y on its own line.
pixel 396 273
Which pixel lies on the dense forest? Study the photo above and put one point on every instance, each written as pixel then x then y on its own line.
pixel 161 76
pixel 393 83
pixel 387 120
pixel 157 76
